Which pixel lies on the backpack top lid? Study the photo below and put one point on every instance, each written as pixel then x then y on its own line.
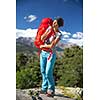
pixel 47 21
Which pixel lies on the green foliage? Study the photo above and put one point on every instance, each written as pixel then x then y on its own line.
pixel 28 78
pixel 25 78
pixel 21 60
pixel 28 73
pixel 68 69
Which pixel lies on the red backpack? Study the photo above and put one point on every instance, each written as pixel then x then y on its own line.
pixel 45 23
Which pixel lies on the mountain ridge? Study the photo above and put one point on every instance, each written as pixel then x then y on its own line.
pixel 26 44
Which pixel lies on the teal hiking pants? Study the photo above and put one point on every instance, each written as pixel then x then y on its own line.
pixel 46 67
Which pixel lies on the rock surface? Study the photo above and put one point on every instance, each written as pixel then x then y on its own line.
pixel 23 95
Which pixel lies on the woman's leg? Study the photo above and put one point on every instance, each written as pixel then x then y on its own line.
pixel 49 72
pixel 43 61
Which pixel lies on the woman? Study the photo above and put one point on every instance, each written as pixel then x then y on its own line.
pixel 48 58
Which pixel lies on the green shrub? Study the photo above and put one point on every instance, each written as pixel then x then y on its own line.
pixel 28 78
pixel 69 69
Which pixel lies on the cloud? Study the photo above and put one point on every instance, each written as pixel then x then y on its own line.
pixel 76 41
pixel 26 33
pixel 66 36
pixel 78 35
pixel 30 18
pixel 76 38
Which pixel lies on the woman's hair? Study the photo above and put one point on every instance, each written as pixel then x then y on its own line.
pixel 60 21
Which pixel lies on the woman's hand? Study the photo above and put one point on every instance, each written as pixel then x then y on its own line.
pixel 46 46
pixel 42 46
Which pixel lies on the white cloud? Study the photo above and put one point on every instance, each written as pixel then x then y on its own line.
pixel 78 35
pixel 26 33
pixel 66 36
pixel 76 41
pixel 30 18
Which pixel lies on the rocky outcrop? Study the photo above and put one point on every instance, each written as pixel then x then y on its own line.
pixel 24 95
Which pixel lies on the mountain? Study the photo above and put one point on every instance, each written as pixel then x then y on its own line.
pixel 25 44
pixel 25 40
pixel 67 45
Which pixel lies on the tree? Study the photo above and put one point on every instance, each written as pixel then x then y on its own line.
pixel 71 67
pixel 21 60
pixel 28 75
pixel 68 69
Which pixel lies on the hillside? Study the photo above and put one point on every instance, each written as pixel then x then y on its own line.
pixel 21 47
pixel 25 44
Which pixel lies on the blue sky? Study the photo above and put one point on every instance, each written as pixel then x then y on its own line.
pixel 70 10
pixel 29 14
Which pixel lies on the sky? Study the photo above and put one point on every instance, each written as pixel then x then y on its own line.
pixel 29 14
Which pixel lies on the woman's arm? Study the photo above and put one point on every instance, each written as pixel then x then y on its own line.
pixel 53 43
pixel 43 37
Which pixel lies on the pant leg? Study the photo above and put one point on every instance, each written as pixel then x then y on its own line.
pixel 49 72
pixel 43 61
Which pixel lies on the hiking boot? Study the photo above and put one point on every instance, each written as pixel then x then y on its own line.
pixel 42 92
pixel 50 93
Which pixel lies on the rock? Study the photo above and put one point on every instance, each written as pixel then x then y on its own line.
pixel 23 95
pixel 72 92
pixel 56 97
